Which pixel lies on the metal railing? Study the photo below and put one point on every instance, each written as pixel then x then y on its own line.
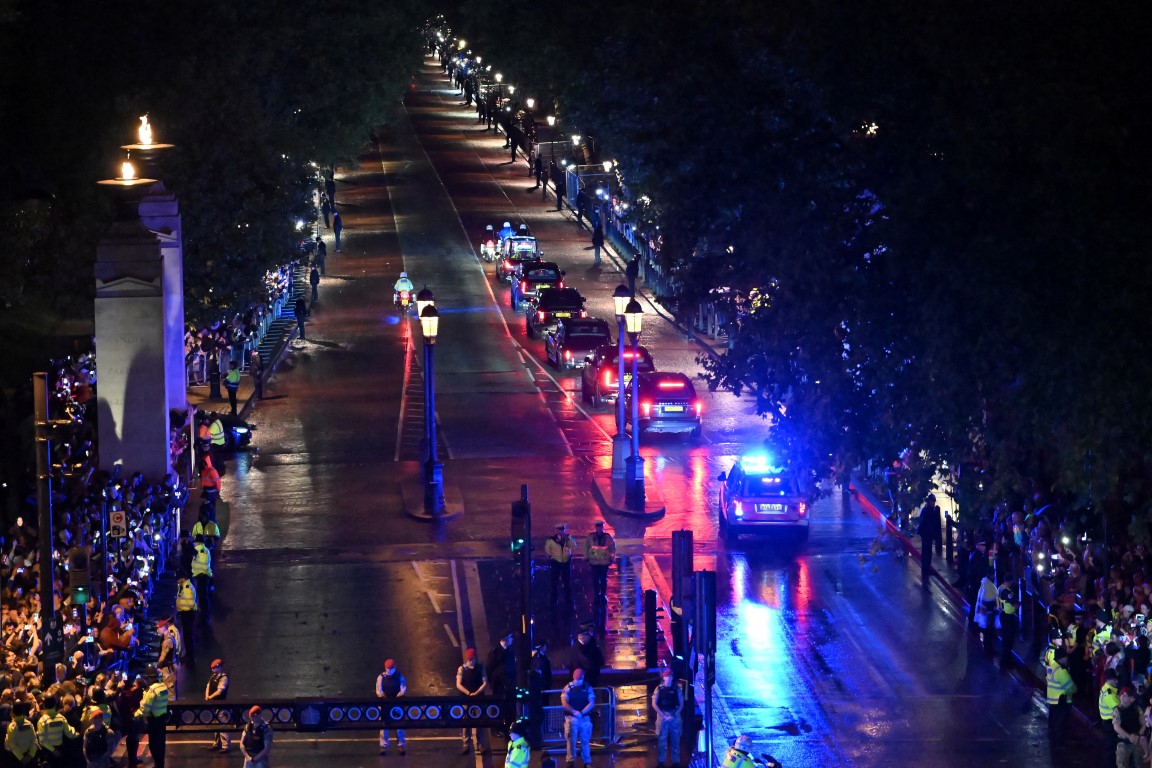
pixel 603 718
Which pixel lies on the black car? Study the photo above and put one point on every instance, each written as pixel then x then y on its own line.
pixel 570 344
pixel 668 404
pixel 513 251
pixel 530 277
pixel 598 380
pixel 552 306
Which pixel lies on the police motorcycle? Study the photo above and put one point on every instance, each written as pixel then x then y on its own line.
pixel 404 295
pixel 489 246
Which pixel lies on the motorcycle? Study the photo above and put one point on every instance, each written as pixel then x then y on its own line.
pixel 488 244
pixel 403 301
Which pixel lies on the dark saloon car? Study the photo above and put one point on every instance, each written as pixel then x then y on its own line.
pixel 574 339
pixel 598 380
pixel 552 306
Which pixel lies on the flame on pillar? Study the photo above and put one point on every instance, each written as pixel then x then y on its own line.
pixel 145 130
pixel 127 171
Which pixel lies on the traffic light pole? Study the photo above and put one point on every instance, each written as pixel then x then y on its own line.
pixel 704 643
pixel 522 528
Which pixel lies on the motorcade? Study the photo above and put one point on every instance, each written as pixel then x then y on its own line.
pixel 513 251
pixel 758 496
pixel 600 377
pixel 668 404
pixel 530 277
pixel 552 306
pixel 570 344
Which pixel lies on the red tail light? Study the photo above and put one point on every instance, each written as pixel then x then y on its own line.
pixel 507 264
pixel 583 313
pixel 540 316
pixel 567 354
pixel 523 286
pixel 491 245
pixel 803 509
pixel 608 379
pixel 404 295
pixel 645 408
pixel 561 285
pixel 699 408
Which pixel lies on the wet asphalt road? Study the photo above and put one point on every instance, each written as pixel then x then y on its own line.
pixel 828 656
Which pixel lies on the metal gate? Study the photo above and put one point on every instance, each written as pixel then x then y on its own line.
pixel 603 718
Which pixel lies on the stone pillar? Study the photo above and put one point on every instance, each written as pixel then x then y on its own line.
pixel 160 213
pixel 130 351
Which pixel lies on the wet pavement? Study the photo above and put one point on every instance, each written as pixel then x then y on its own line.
pixel 830 655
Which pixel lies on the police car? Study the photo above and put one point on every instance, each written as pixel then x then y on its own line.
pixel 756 496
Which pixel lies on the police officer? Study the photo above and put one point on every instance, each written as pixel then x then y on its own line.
pixel 186 607
pixel 1009 605
pixel 471 680
pixel 1107 702
pixel 560 547
pixel 578 700
pixel 519 753
pixel 202 575
pixel 256 740
pixel 391 685
pixel 600 550
pixel 206 527
pixel 1060 690
pixel 738 755
pixel 169 659
pixel 217 690
pixel 232 384
pixel 154 710
pixel 51 731
pixel 20 738
pixel 668 702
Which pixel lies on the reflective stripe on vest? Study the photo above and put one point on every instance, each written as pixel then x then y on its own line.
pixel 155 703
pixel 52 731
pixel 186 598
pixel 1108 701
pixel 1059 685
pixel 201 563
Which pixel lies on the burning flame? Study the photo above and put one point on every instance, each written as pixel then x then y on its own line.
pixel 127 171
pixel 145 130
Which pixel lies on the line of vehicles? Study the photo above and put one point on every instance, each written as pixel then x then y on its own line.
pixel 756 495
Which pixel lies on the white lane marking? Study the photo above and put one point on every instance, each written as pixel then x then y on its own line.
pixel 451 637
pixel 432 596
pixel 459 608
pixel 476 603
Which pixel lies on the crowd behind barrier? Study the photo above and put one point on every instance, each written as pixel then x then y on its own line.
pixel 209 350
pixel 102 637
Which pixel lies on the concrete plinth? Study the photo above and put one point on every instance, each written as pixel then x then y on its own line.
pixel 610 495
pixel 131 351
pixel 160 213
pixel 412 496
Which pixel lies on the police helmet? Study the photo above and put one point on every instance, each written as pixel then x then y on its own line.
pixel 403 275
pixel 150 672
pixel 519 728
pixel 743 743
pixel 508 224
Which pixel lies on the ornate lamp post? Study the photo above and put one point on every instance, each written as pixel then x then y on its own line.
pixel 433 469
pixel 620 441
pixel 634 482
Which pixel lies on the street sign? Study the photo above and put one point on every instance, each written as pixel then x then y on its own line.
pixel 117 525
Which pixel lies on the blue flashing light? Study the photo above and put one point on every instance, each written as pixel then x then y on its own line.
pixel 759 464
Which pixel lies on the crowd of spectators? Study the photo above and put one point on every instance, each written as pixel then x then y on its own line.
pixel 72 654
pixel 212 348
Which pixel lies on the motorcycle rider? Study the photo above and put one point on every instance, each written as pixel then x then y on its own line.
pixel 403 284
pixel 506 232
pixel 738 754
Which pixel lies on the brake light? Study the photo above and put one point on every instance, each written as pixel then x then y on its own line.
pixel 699 408
pixel 671 385
pixel 567 354
pixel 523 286
pixel 645 408
pixel 404 295
pixel 803 508
pixel 583 313
pixel 507 264
pixel 540 316
pixel 491 245
pixel 608 379
pixel 738 509
pixel 560 284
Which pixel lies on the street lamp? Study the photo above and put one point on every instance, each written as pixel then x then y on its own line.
pixel 424 298
pixel 620 441
pixel 634 482
pixel 433 469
